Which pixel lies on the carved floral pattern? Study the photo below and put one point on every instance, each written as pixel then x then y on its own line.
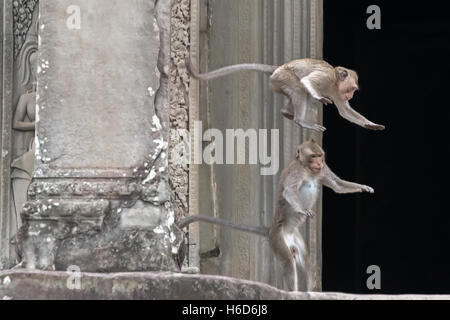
pixel 23 17
pixel 179 108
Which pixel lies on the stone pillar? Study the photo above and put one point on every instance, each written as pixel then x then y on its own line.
pixel 6 93
pixel 100 197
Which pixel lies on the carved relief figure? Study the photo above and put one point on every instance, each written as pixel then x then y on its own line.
pixel 24 126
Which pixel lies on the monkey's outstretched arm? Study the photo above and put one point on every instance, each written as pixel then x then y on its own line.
pixel 347 112
pixel 338 185
pixel 291 194
pixel 261 231
pixel 228 70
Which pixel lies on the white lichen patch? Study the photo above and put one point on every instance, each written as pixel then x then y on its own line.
pixel 6 281
pixel 157 73
pixel 170 218
pixel 160 145
pixel 150 177
pixel 158 230
pixel 155 26
pixel 45 64
pixel 156 122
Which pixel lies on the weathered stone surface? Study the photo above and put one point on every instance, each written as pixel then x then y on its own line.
pixel 34 285
pixel 179 106
pixel 101 144
pixel 97 84
pixel 138 238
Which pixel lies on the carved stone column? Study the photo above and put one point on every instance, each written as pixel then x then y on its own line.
pixel 100 196
pixel 18 98
pixel 6 91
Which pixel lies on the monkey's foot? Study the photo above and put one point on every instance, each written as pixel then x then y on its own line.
pixel 312 126
pixel 287 113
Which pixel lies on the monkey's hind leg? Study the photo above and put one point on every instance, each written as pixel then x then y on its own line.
pixel 290 276
pixel 299 100
pixel 288 111
pixel 277 83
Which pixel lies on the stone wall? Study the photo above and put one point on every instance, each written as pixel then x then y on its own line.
pixel 100 198
pixel 114 127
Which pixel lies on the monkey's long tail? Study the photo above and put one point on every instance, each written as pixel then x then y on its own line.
pixel 261 231
pixel 228 70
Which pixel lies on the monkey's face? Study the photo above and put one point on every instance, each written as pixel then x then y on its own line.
pixel 316 163
pixel 311 155
pixel 347 83
pixel 347 88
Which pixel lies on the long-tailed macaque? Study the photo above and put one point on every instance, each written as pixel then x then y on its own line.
pixel 297 194
pixel 297 79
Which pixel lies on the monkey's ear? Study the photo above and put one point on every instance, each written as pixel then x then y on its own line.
pixel 341 74
pixel 298 154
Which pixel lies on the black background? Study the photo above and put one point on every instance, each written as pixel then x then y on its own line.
pixel 404 70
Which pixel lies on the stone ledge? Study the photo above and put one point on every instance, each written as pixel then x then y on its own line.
pixel 41 285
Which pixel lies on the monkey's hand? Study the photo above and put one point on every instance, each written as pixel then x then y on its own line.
pixel 318 127
pixel 367 189
pixel 306 212
pixel 324 100
pixel 309 213
pixel 374 126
